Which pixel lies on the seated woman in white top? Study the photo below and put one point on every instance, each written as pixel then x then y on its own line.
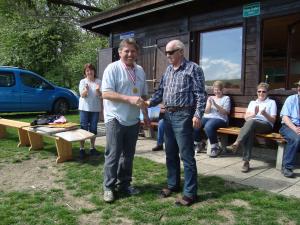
pixel 260 118
pixel 215 116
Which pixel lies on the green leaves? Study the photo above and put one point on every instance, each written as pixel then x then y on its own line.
pixel 46 39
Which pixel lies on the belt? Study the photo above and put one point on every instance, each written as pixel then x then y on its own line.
pixel 177 108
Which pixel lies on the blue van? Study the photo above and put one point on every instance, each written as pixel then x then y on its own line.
pixel 24 91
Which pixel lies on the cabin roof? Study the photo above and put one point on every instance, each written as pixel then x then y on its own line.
pixel 143 12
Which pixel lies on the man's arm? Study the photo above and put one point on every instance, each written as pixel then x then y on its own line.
pixel 133 100
pixel 287 121
pixel 199 92
pixel 156 98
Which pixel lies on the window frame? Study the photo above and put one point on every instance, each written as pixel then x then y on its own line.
pixel 13 78
pixel 288 89
pixel 197 35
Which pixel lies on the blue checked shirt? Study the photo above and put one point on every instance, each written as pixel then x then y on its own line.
pixel 183 87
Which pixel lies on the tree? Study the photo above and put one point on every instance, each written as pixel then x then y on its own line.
pixel 45 37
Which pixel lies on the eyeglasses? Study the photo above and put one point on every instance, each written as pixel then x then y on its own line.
pixel 171 52
pixel 261 91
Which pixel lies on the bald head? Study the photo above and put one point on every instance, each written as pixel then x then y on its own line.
pixel 175 44
pixel 174 52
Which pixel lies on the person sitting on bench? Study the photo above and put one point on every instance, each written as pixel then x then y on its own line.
pixel 215 116
pixel 290 130
pixel 260 118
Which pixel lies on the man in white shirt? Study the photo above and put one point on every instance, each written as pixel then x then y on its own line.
pixel 123 89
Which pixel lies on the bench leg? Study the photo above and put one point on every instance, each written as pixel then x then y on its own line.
pixel 149 132
pixel 223 142
pixel 2 131
pixel 23 138
pixel 64 150
pixel 280 152
pixel 36 141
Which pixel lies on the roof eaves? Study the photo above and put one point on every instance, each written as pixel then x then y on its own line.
pixel 120 10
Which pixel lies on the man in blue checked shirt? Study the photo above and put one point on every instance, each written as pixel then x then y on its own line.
pixel 182 91
pixel 290 130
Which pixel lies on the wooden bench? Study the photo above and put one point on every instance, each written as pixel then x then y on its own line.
pixel 23 137
pixel 63 140
pixel 238 113
pixel 33 137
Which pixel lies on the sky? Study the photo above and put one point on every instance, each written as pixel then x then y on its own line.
pixel 221 54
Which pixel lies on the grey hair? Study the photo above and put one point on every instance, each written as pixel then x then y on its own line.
pixel 128 41
pixel 179 44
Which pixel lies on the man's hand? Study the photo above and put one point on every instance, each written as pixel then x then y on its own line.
pixel 297 130
pixel 196 122
pixel 137 101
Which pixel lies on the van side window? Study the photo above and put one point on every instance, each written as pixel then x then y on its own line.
pixel 33 81
pixel 7 79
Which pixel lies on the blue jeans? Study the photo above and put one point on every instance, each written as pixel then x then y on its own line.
pixel 210 126
pixel 160 132
pixel 89 121
pixel 179 140
pixel 291 148
pixel 119 153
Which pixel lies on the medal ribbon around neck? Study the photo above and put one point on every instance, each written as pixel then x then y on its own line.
pixel 131 74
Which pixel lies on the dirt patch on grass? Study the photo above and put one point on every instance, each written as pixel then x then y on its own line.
pixel 286 221
pixel 228 215
pixel 43 175
pixel 240 203
pixel 31 174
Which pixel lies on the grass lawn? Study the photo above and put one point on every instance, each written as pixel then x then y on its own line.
pixel 36 190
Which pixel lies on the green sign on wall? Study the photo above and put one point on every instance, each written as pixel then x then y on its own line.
pixel 252 9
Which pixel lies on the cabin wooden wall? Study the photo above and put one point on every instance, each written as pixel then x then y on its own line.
pixel 152 38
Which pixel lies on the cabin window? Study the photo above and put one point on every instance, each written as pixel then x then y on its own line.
pixel 221 56
pixel 281 52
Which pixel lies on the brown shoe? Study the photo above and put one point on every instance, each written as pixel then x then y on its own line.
pixel 246 167
pixel 234 147
pixel 166 192
pixel 185 201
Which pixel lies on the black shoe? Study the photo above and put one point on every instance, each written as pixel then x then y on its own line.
pixel 158 148
pixel 94 152
pixel 82 154
pixel 287 172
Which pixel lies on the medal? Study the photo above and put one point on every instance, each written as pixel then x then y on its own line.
pixel 132 77
pixel 135 90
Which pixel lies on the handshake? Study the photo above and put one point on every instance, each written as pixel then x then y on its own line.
pixel 139 102
pixel 143 105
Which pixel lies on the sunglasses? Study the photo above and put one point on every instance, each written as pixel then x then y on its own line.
pixel 171 52
pixel 261 91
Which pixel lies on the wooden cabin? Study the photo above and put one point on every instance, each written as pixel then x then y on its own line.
pixel 241 43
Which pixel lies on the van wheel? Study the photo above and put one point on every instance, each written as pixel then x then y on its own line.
pixel 61 106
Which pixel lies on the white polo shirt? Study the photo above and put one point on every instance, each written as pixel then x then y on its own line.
pixel 116 79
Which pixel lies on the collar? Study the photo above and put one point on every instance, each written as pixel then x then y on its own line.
pixel 258 101
pixel 182 64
